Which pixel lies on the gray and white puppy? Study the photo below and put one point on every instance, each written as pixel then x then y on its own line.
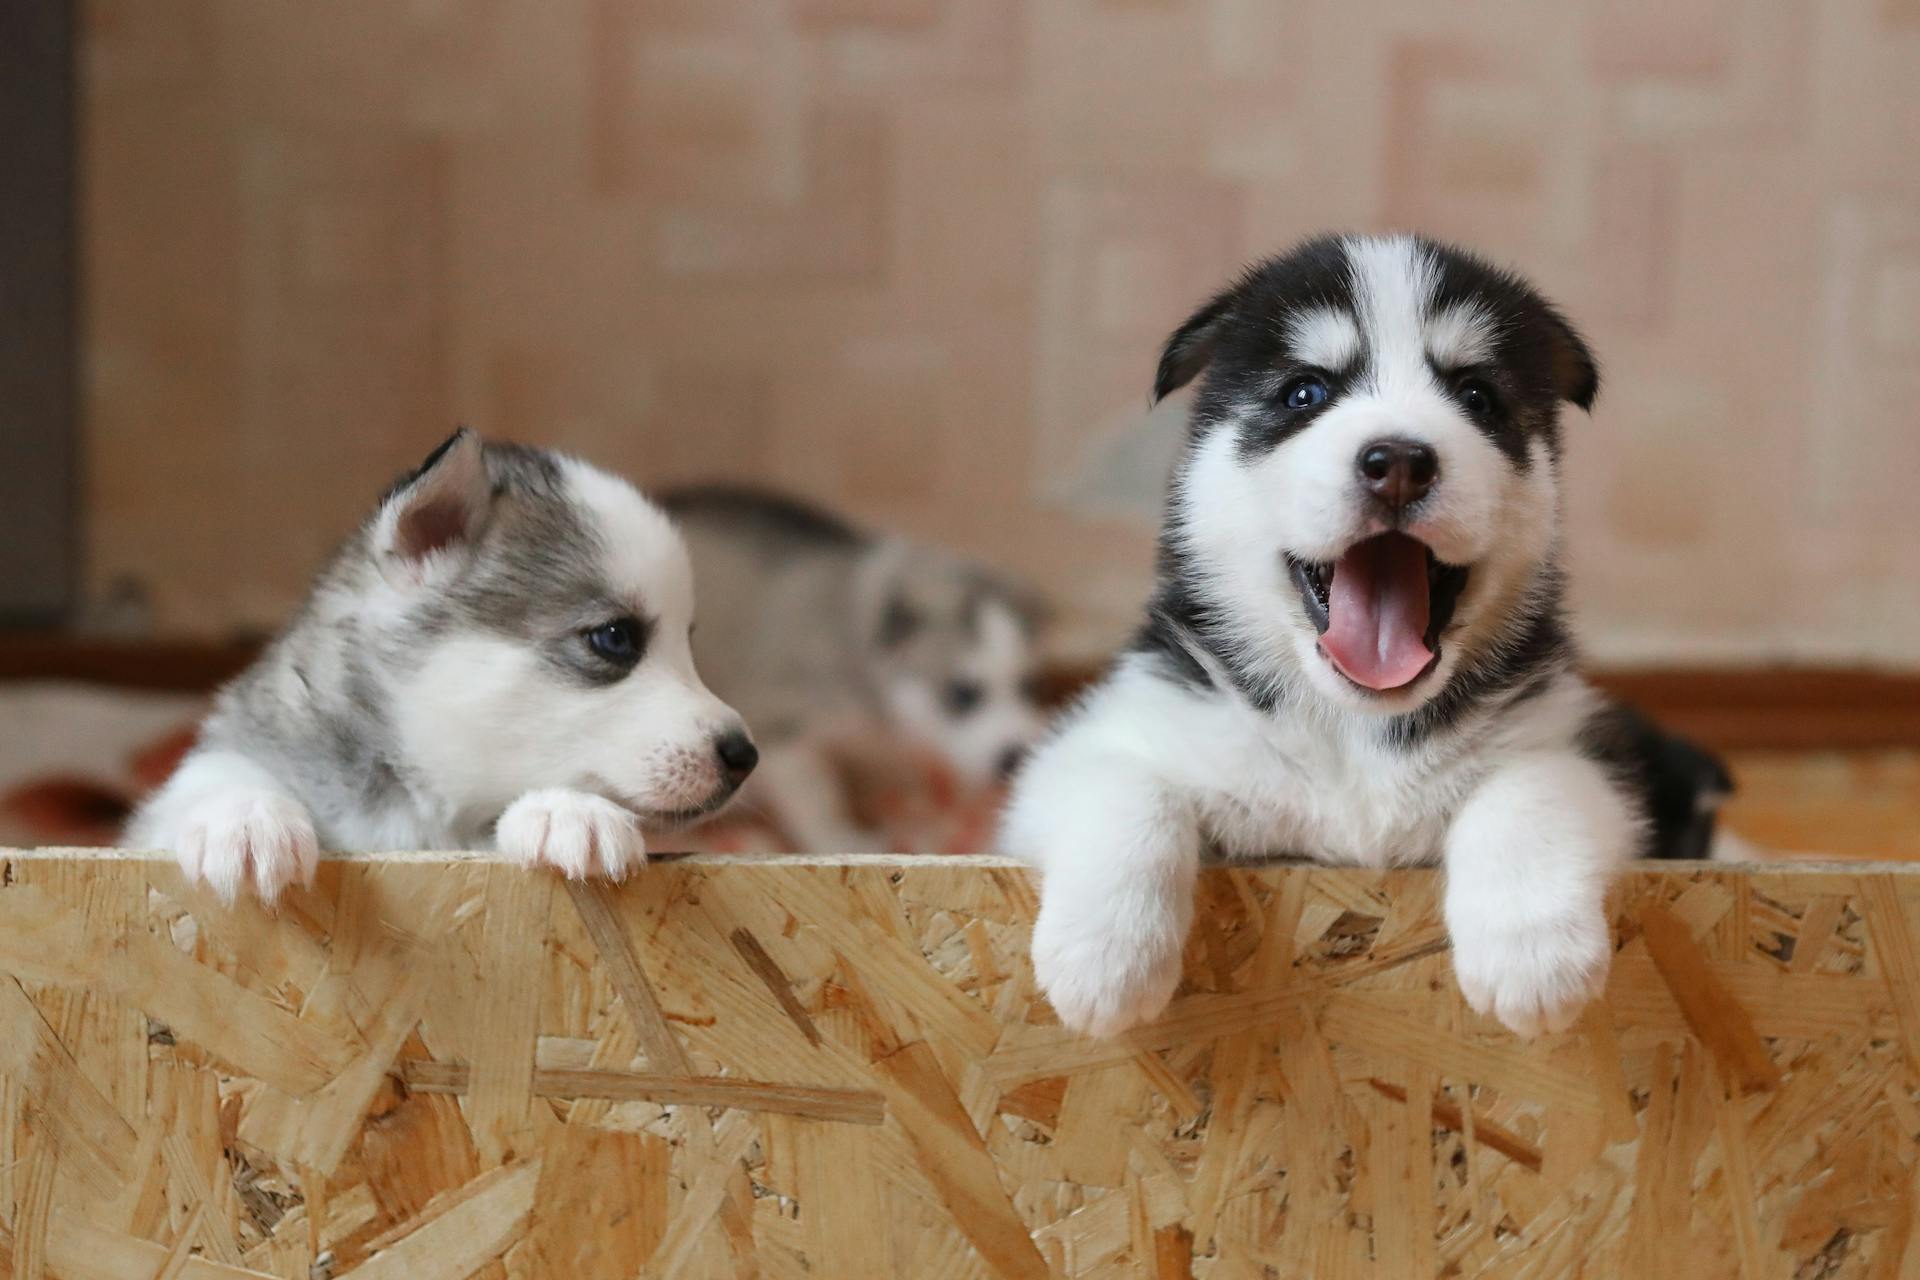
pixel 498 656
pixel 815 628
pixel 1357 649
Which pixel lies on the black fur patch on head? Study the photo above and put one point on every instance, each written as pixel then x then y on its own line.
pixel 1537 343
pixel 1242 341
pixel 1539 358
pixel 1239 339
pixel 1190 348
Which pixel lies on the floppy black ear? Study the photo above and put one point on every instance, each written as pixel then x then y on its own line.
pixel 1191 346
pixel 431 518
pixel 1576 375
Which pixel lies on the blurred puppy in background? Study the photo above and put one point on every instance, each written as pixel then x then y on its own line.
pixel 827 636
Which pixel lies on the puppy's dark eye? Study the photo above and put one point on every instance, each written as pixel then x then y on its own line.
pixel 1477 398
pixel 620 641
pixel 1304 393
pixel 962 696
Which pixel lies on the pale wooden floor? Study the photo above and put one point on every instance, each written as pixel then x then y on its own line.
pixel 1853 804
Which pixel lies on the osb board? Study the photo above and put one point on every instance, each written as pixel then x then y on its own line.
pixel 439 1068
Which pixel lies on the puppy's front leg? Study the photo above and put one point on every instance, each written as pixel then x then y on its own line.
pixel 1118 850
pixel 1528 860
pixel 574 832
pixel 230 822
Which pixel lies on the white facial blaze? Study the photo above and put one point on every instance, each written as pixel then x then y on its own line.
pixel 1392 283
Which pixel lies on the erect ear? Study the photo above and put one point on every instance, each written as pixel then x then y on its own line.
pixel 1576 375
pixel 431 517
pixel 1191 346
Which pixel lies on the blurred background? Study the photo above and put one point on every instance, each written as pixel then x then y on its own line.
pixel 912 259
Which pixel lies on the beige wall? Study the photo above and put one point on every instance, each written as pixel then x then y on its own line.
pixel 914 257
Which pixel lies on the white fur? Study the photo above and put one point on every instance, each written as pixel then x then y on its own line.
pixel 646 741
pixel 231 824
pixel 576 834
pixel 1324 337
pixel 1463 334
pixel 646 560
pixel 1114 812
pixel 1528 860
pixel 1116 809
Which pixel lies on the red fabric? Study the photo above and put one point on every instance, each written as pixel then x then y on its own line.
pixel 62 809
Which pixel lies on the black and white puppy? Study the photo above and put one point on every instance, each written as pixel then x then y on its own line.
pixel 1356 650
pixel 498 656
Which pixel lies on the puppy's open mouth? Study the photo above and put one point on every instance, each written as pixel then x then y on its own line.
pixel 1380 608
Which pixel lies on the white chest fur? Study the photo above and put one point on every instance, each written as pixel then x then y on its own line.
pixel 1321 786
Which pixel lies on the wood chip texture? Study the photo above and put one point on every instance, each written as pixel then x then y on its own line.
pixel 440 1067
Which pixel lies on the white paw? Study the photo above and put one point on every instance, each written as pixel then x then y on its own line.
pixel 577 834
pixel 1534 975
pixel 1109 966
pixel 248 835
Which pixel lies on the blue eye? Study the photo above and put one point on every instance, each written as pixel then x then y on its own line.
pixel 1304 393
pixel 620 641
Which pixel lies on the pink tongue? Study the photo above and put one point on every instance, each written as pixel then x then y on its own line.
pixel 1377 612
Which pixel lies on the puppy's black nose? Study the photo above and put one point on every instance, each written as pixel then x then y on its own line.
pixel 737 755
pixel 1009 762
pixel 1398 472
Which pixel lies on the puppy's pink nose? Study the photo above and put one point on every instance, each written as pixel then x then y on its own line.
pixel 1398 472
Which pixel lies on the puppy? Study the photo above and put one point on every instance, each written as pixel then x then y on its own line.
pixel 1356 649
pixel 499 656
pixel 821 631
